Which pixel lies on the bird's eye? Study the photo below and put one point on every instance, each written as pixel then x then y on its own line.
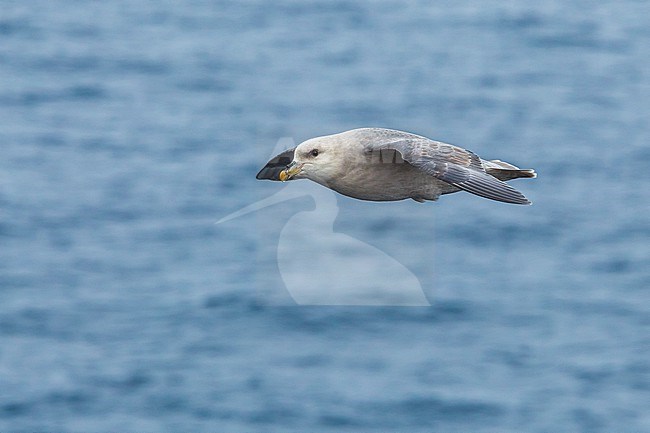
pixel 314 152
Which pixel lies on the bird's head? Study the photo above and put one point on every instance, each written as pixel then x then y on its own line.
pixel 316 159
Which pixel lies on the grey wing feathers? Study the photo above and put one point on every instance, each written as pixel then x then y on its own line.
pixel 482 184
pixel 454 165
pixel 463 169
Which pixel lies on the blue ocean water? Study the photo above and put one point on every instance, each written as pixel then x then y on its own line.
pixel 127 128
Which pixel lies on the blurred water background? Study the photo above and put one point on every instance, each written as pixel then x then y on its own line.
pixel 127 128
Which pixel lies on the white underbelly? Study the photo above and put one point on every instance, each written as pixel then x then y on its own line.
pixel 389 182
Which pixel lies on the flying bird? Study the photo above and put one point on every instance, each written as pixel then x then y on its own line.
pixel 379 164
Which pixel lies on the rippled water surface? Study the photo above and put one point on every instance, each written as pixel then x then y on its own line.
pixel 127 128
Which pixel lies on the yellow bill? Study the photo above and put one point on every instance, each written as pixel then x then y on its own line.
pixel 289 172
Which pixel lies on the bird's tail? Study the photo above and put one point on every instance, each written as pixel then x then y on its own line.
pixel 504 171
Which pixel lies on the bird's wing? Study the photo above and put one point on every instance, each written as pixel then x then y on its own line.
pixel 272 169
pixel 454 165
